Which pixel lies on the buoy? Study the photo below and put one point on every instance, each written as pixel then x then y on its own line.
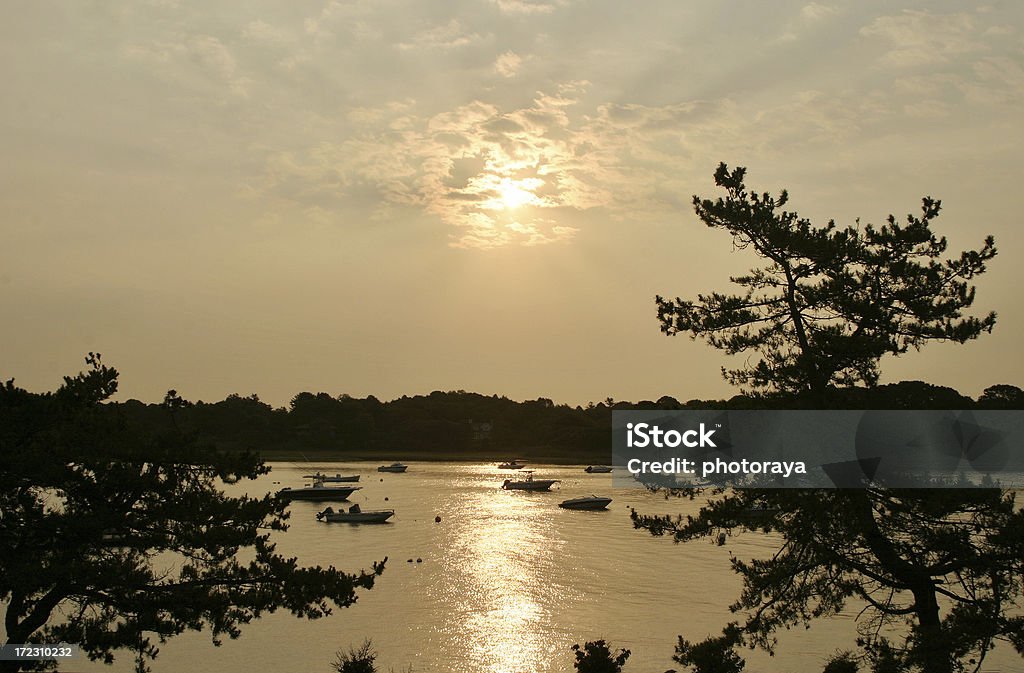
pixel 437 519
pixel 409 561
pixel 419 560
pixel 382 478
pixel 385 499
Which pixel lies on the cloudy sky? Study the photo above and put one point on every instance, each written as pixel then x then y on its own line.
pixel 391 197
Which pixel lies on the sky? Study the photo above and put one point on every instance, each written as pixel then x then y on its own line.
pixel 391 197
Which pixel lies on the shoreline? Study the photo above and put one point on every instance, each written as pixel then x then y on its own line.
pixel 336 456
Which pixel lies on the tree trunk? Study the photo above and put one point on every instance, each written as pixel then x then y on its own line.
pixel 18 632
pixel 932 647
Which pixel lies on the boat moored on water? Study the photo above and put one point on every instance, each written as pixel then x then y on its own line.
pixel 597 469
pixel 529 483
pixel 337 478
pixel 355 514
pixel 317 492
pixel 511 465
pixel 591 502
pixel 393 467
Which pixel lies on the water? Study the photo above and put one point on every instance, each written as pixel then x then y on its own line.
pixel 507 583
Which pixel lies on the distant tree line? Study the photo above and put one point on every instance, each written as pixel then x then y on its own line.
pixel 459 423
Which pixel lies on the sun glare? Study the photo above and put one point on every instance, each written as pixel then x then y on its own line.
pixel 513 195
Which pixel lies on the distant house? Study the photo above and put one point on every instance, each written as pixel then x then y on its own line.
pixel 481 431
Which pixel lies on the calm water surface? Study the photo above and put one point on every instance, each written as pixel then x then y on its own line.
pixel 507 583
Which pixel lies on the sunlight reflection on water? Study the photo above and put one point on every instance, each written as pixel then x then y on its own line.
pixel 499 555
pixel 506 583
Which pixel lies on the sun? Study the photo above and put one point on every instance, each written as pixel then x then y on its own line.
pixel 514 193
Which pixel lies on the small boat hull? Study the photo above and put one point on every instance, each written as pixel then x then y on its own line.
pixel 597 469
pixel 374 516
pixel 529 485
pixel 591 503
pixel 394 467
pixel 317 493
pixel 335 479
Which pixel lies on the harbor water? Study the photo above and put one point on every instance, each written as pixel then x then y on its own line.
pixel 505 582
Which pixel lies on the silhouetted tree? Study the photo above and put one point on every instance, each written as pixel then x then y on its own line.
pixel 844 662
pixel 713 655
pixel 1002 396
pixel 827 306
pixel 107 534
pixel 901 552
pixel 360 659
pixel 829 302
pixel 596 657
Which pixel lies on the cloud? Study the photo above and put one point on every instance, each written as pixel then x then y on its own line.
pixel 212 54
pixel 191 60
pixel 527 6
pixel 918 38
pixel 816 11
pixel 260 31
pixel 489 174
pixel 508 64
pixel 927 109
pixel 808 18
pixel 450 35
pixel 499 177
pixel 998 80
pixel 992 80
pixel 494 170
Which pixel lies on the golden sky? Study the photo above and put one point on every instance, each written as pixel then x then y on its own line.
pixel 391 197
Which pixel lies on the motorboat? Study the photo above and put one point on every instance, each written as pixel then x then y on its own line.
pixel 511 465
pixel 393 467
pixel 317 491
pixel 335 479
pixel 598 469
pixel 529 483
pixel 591 502
pixel 355 514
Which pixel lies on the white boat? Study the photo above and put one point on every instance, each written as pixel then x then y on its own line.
pixel 511 465
pixel 335 479
pixel 317 491
pixel 355 515
pixel 589 502
pixel 529 483
pixel 597 469
pixel 393 467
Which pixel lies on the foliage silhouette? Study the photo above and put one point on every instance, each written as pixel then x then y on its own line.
pixel 829 302
pixel 844 662
pixel 713 655
pixel 108 534
pixel 948 564
pixel 596 657
pixel 357 660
